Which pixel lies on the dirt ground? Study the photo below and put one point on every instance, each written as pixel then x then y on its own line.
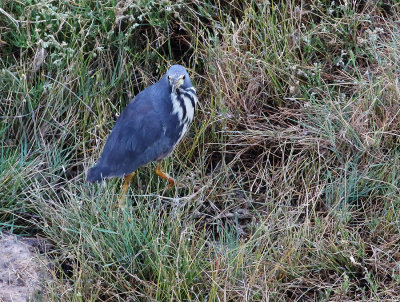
pixel 22 269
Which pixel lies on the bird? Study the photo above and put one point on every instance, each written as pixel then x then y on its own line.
pixel 148 129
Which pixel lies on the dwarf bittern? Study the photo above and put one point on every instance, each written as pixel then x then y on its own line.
pixel 149 128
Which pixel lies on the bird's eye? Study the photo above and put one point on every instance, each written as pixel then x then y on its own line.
pixel 169 77
pixel 183 77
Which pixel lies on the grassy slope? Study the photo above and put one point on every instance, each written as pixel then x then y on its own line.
pixel 289 178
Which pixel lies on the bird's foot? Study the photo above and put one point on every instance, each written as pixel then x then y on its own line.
pixel 160 173
pixel 125 187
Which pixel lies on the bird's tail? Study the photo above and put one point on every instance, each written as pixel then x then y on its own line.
pixel 96 174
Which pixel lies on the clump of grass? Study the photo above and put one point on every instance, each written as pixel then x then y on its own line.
pixel 288 179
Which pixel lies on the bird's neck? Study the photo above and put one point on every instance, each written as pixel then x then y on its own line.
pixel 184 104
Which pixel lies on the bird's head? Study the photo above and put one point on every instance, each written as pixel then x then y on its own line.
pixel 178 77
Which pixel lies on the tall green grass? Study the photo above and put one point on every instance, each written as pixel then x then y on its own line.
pixel 288 182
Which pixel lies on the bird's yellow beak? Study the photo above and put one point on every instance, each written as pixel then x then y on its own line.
pixel 176 81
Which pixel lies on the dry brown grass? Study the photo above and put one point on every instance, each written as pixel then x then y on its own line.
pixel 289 179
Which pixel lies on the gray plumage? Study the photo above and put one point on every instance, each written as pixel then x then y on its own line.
pixel 150 127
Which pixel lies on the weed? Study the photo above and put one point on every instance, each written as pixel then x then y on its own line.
pixel 289 178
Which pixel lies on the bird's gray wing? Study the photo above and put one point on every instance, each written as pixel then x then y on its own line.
pixel 136 139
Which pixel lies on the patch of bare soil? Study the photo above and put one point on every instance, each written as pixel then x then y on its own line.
pixel 21 272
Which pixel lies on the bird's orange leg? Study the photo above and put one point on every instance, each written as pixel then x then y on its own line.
pixel 160 173
pixel 125 187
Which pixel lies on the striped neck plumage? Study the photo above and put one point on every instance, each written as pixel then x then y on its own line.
pixel 184 104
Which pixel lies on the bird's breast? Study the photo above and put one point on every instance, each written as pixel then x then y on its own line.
pixel 183 107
